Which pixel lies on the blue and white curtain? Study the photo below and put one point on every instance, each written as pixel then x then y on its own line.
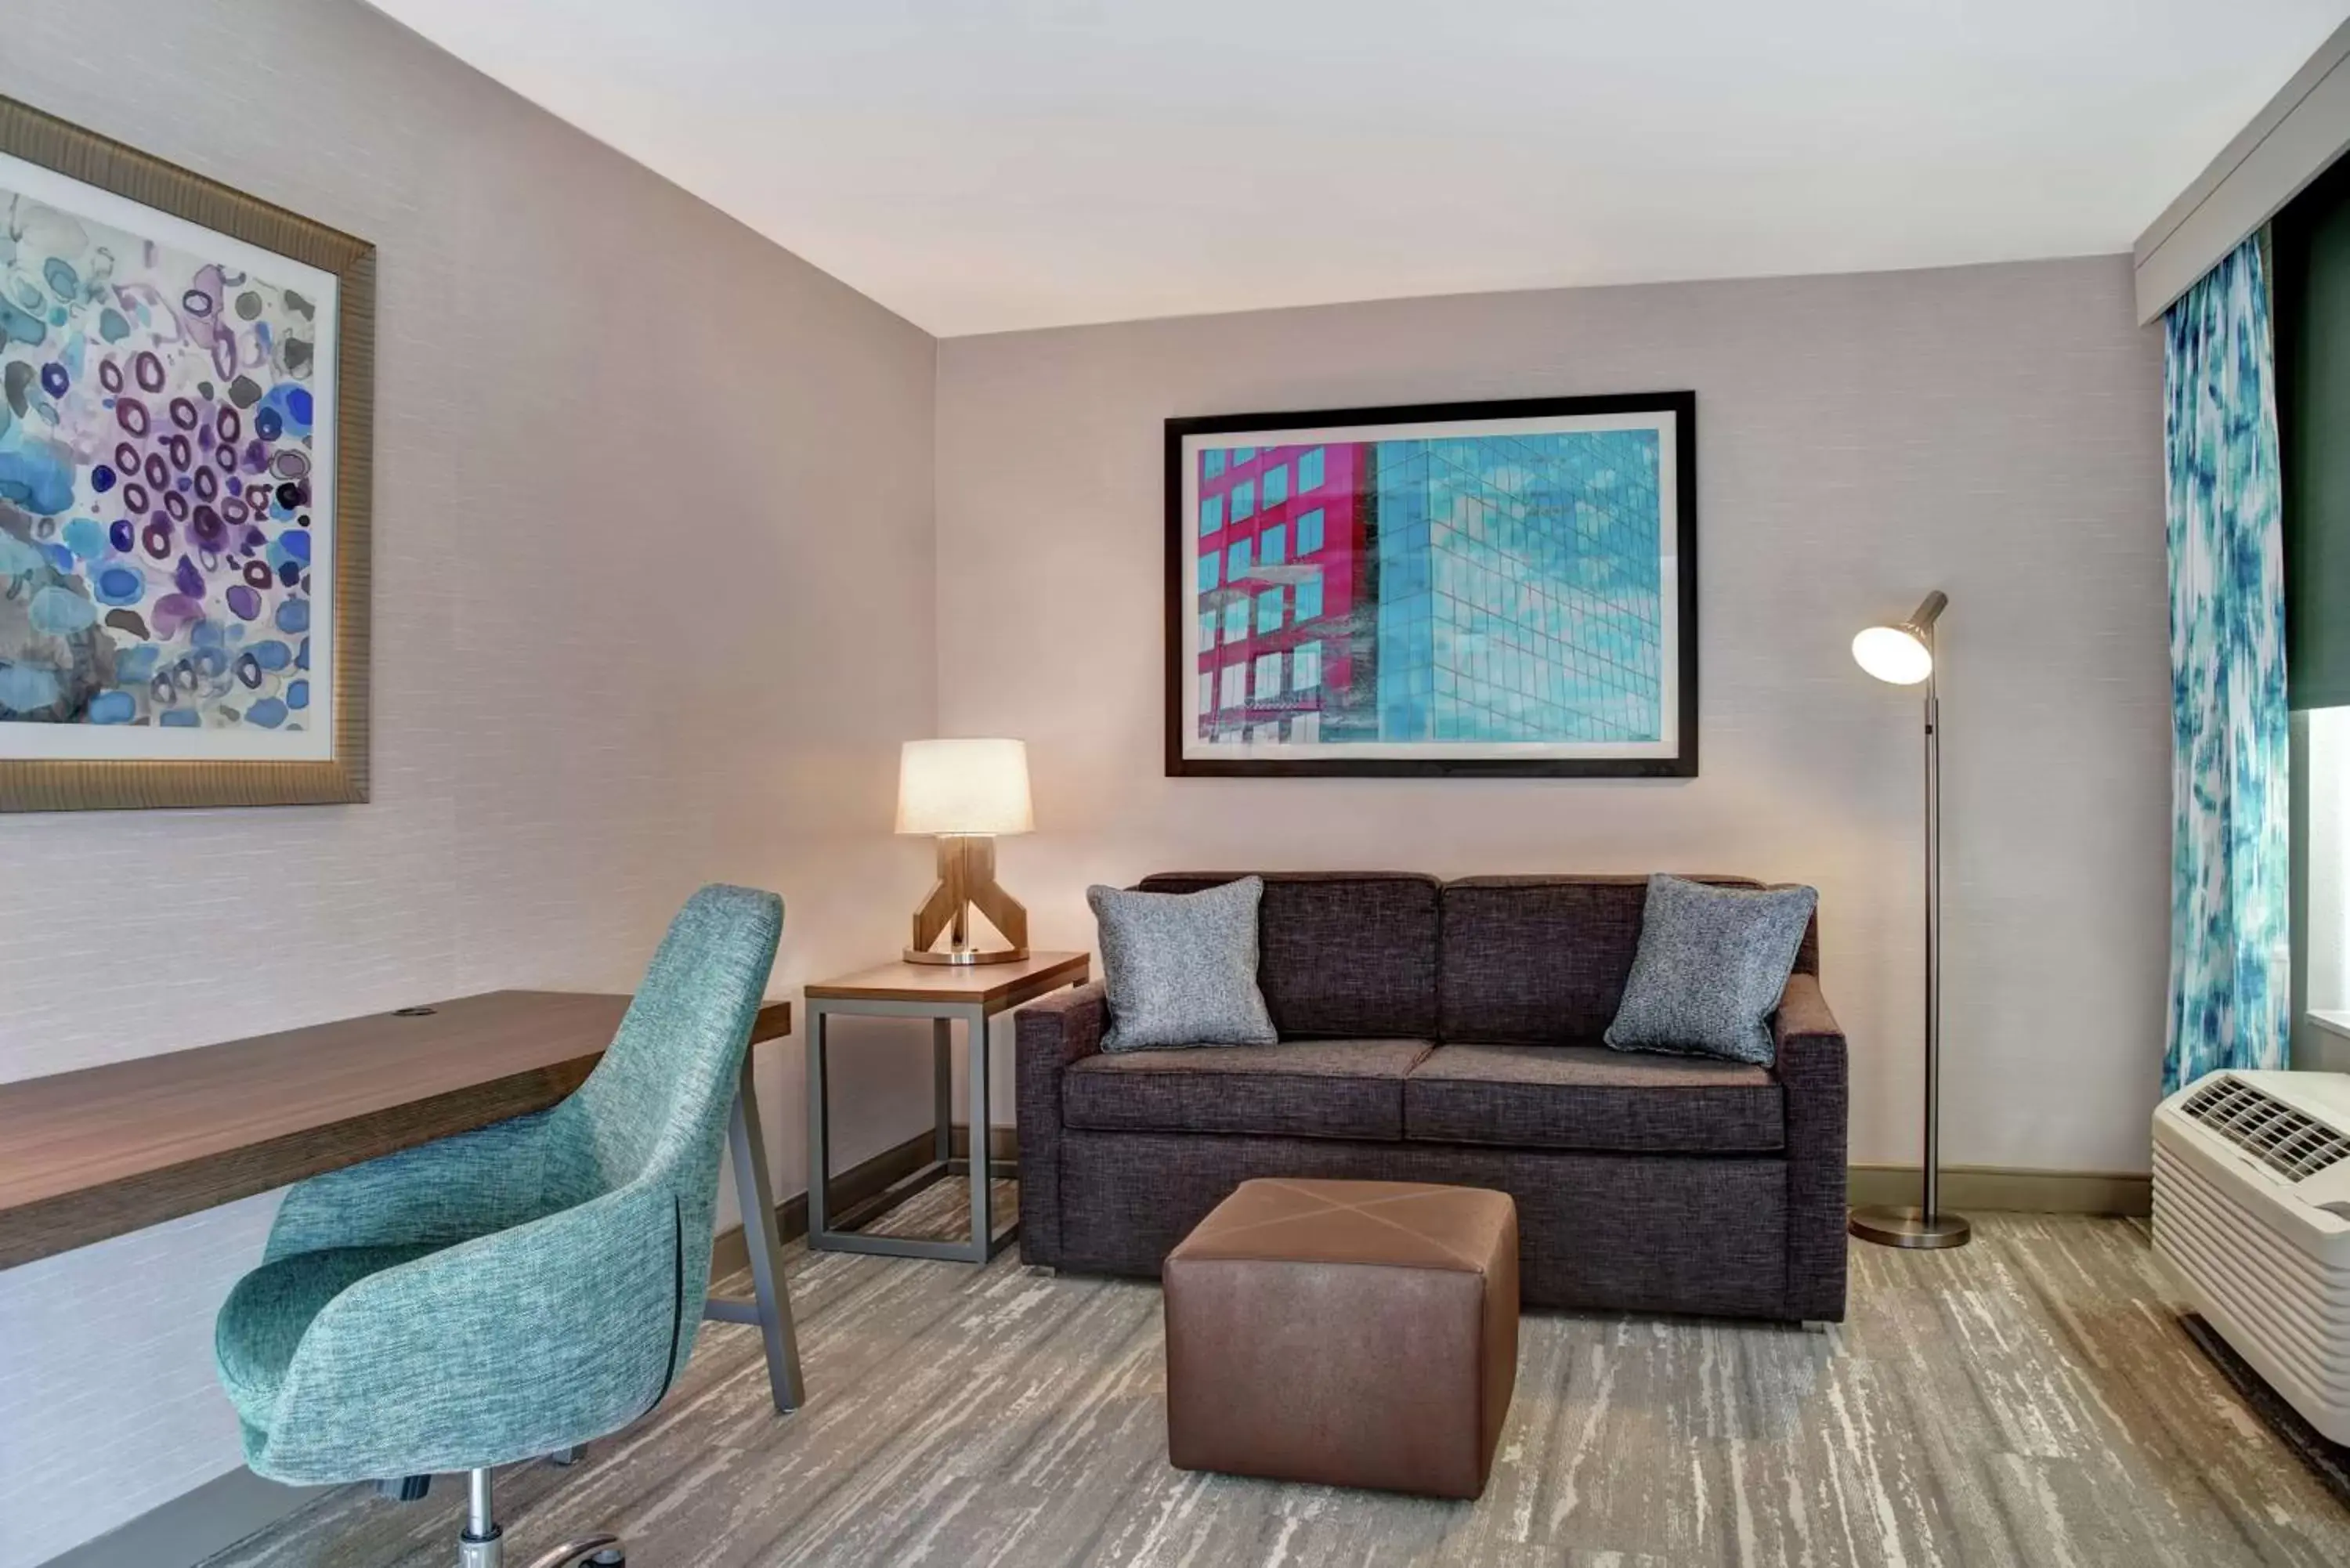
pixel 2230 994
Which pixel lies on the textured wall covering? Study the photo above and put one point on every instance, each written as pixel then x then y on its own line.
pixel 1995 432
pixel 2231 945
pixel 653 606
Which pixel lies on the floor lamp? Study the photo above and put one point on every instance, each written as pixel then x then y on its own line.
pixel 1904 655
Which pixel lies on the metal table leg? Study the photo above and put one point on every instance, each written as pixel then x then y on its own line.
pixel 942 1088
pixel 819 1127
pixel 772 1307
pixel 982 1162
pixel 982 1243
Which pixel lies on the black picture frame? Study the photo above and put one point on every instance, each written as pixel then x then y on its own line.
pixel 1181 592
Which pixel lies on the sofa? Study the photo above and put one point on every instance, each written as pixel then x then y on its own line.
pixel 1449 1031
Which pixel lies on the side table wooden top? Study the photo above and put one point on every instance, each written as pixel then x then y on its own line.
pixel 992 985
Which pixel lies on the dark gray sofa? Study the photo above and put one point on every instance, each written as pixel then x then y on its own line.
pixel 1449 1031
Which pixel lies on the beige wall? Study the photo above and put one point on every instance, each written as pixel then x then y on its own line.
pixel 653 606
pixel 1995 432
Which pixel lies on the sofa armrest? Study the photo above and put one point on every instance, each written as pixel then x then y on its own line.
pixel 1063 1027
pixel 1049 1036
pixel 1812 1072
pixel 1810 1042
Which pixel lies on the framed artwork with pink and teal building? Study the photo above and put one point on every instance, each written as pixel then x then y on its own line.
pixel 1494 587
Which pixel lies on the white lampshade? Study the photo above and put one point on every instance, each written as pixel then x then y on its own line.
pixel 963 786
pixel 1893 653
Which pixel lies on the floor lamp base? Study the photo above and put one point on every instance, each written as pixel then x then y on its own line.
pixel 1905 1225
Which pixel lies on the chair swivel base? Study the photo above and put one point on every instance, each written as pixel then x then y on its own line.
pixel 483 1544
pixel 1907 1226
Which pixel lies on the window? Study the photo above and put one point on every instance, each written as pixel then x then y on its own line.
pixel 1266 734
pixel 1273 545
pixel 1236 685
pixel 1268 611
pixel 1236 562
pixel 1276 485
pixel 1242 454
pixel 1309 471
pixel 1208 571
pixel 1268 676
pixel 1213 462
pixel 1306 671
pixel 1309 532
pixel 1207 630
pixel 1212 514
pixel 1305 729
pixel 1245 499
pixel 1236 616
pixel 1207 691
pixel 1309 599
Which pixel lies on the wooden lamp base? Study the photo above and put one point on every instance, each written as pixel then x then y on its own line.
pixel 967 879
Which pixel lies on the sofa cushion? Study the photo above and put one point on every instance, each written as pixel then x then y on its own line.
pixel 1713 962
pixel 1302 1088
pixel 1180 969
pixel 1343 955
pixel 1542 960
pixel 1592 1098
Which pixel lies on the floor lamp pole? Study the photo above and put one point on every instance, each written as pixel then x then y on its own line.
pixel 1928 1224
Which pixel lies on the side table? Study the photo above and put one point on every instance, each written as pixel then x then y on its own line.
pixel 970 995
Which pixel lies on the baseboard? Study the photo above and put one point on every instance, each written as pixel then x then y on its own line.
pixel 194 1525
pixel 1977 1188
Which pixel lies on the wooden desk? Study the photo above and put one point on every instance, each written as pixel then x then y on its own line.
pixel 100 1152
pixel 972 994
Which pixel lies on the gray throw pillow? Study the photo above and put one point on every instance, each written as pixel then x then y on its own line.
pixel 1711 966
pixel 1180 969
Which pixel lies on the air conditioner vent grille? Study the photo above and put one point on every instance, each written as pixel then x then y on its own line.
pixel 2288 1142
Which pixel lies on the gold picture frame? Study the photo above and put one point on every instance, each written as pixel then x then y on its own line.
pixel 81 784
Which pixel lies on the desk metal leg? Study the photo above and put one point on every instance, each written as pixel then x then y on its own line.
pixel 755 1195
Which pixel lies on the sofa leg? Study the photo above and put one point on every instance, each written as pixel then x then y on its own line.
pixel 1039 1271
pixel 1816 1326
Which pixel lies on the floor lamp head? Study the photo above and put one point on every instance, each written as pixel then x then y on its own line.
pixel 1902 654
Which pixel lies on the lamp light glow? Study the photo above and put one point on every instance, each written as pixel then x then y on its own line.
pixel 964 786
pixel 1894 654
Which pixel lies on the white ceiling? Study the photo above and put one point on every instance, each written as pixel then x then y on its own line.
pixel 982 165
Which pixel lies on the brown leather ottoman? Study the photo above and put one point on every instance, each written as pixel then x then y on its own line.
pixel 1348 1332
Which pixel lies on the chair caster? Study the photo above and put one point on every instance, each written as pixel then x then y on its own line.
pixel 593 1552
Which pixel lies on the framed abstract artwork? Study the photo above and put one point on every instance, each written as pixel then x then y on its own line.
pixel 1447 589
pixel 185 475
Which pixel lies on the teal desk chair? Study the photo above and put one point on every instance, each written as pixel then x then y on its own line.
pixel 511 1293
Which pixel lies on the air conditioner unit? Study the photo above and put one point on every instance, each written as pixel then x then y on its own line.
pixel 2251 1207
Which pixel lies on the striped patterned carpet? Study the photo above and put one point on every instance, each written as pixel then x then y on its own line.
pixel 2030 1399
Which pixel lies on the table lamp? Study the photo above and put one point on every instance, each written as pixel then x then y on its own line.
pixel 966 793
pixel 1903 655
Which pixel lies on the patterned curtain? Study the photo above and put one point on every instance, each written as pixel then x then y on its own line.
pixel 2231 997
